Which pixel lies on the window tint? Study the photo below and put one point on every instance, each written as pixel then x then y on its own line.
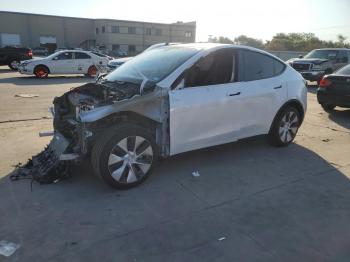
pixel 79 55
pixel 65 56
pixel 259 66
pixel 342 57
pixel 214 69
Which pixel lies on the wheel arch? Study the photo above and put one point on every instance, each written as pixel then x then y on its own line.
pixel 35 67
pixel 293 102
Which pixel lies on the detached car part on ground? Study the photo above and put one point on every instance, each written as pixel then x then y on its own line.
pixel 175 99
pixel 320 62
pixel 334 90
pixel 64 62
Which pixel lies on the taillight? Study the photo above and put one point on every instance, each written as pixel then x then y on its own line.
pixel 30 53
pixel 325 83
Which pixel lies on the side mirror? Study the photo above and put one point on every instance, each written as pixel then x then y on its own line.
pixel 301 56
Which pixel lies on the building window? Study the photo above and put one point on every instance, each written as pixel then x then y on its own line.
pixel 132 48
pixel 103 29
pixel 148 31
pixel 115 29
pixel 132 30
pixel 96 31
pixel 115 47
pixel 188 34
pixel 158 31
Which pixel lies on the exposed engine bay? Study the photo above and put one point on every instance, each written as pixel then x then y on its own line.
pixel 73 137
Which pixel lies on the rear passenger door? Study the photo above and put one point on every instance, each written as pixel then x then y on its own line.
pixel 82 62
pixel 264 91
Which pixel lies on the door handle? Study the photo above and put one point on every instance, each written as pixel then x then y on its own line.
pixel 234 94
pixel 278 87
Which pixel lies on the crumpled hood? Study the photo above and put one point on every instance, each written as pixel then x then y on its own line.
pixel 315 61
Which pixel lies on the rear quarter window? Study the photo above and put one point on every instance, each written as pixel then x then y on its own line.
pixel 259 66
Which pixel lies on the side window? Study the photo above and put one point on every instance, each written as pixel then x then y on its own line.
pixel 342 57
pixel 257 66
pixel 278 67
pixel 80 55
pixel 216 68
pixel 64 56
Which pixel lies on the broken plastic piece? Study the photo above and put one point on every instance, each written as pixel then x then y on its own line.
pixel 221 238
pixel 195 174
pixel 46 133
pixel 8 248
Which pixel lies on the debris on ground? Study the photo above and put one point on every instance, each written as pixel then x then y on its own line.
pixel 326 140
pixel 221 238
pixel 26 95
pixel 195 174
pixel 45 168
pixel 8 248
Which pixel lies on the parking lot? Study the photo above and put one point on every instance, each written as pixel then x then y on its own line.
pixel 251 202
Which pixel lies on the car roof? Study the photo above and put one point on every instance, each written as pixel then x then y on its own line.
pixel 340 48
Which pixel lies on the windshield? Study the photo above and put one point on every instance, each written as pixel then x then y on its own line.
pixel 322 54
pixel 155 64
pixel 344 70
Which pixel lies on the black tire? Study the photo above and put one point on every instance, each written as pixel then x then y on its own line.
pixel 41 71
pixel 109 142
pixel 13 64
pixel 288 120
pixel 327 107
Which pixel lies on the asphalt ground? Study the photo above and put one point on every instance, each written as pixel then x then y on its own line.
pixel 251 202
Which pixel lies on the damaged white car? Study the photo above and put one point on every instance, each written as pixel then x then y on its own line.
pixel 171 100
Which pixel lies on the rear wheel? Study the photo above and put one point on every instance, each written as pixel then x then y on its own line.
pixel 14 64
pixel 41 71
pixel 285 127
pixel 124 156
pixel 92 71
pixel 327 107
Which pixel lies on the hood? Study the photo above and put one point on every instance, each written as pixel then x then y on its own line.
pixel 37 59
pixel 120 60
pixel 315 61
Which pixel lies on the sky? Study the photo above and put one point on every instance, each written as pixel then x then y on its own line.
pixel 255 18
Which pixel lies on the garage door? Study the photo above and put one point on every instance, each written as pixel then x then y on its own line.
pixel 47 40
pixel 10 39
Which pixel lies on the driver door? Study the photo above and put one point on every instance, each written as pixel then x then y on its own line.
pixel 63 63
pixel 204 106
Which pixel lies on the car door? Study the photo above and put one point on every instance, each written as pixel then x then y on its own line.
pixel 341 59
pixel 62 63
pixel 82 62
pixel 205 103
pixel 264 89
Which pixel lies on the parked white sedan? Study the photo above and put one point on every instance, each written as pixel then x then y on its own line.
pixel 64 62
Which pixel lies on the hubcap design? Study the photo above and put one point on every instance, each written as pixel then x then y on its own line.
pixel 130 159
pixel 288 127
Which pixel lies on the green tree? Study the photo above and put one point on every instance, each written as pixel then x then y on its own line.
pixel 249 41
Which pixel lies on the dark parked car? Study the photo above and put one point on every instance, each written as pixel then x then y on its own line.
pixel 12 56
pixel 334 89
pixel 319 62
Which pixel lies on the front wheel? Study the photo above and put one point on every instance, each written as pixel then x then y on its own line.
pixel 41 72
pixel 124 156
pixel 285 127
pixel 14 64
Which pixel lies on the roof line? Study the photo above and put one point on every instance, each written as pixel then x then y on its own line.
pixel 94 19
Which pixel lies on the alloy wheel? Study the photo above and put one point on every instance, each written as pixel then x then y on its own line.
pixel 288 126
pixel 130 159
